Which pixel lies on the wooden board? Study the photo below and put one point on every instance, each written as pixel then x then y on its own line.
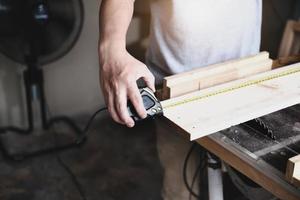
pixel 193 80
pixel 214 113
pixel 290 44
pixel 205 77
pixel 284 61
pixel 293 170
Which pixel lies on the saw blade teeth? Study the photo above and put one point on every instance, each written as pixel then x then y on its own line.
pixel 270 132
pixel 259 125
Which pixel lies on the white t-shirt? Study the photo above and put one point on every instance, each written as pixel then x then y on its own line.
pixel 186 34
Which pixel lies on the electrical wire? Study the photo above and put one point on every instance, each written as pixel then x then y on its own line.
pixel 69 171
pixel 73 177
pixel 4 130
pixel 49 123
pixel 90 121
pixel 79 141
pixel 194 179
pixel 185 164
pixel 199 170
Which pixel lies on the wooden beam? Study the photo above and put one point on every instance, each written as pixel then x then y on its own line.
pixel 284 61
pixel 293 170
pixel 219 78
pixel 204 77
pixel 213 69
pixel 290 43
pixel 211 113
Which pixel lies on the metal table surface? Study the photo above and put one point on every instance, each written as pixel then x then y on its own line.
pixel 258 157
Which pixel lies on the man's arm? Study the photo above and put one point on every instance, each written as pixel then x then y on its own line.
pixel 119 71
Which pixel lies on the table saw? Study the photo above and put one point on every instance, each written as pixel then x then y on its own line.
pixel 260 140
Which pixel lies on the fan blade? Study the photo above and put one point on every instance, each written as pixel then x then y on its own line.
pixel 54 38
pixel 62 10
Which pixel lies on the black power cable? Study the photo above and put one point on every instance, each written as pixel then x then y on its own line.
pixel 68 169
pixel 81 139
pixel 78 142
pixel 185 164
pixel 73 177
pixel 199 170
pixel 194 179
pixel 81 133
pixel 4 130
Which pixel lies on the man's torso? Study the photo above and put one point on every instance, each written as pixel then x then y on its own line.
pixel 186 34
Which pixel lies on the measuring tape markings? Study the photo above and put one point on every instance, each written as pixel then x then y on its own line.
pixel 229 89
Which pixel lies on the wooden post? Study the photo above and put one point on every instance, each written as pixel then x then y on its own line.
pixel 290 44
pixel 293 170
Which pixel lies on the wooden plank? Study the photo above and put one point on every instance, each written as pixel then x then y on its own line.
pixel 287 39
pixel 297 27
pixel 290 43
pixel 219 78
pixel 293 170
pixel 217 112
pixel 213 69
pixel 296 45
pixel 194 80
pixel 244 71
pixel 284 61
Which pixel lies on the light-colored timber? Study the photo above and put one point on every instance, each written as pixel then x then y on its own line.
pixel 290 43
pixel 205 77
pixel 293 170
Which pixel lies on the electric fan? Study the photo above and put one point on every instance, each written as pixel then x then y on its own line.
pixel 34 33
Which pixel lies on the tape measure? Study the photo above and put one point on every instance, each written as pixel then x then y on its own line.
pixel 151 104
pixel 232 88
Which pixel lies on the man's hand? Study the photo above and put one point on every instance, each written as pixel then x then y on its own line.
pixel 119 72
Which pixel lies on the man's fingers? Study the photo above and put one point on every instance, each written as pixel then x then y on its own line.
pixel 112 110
pixel 137 102
pixel 122 111
pixel 149 80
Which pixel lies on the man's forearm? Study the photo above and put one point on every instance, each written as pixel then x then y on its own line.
pixel 119 71
pixel 115 17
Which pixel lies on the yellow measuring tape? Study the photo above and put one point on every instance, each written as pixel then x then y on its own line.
pixel 229 89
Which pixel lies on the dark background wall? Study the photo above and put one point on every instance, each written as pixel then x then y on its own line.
pixel 275 15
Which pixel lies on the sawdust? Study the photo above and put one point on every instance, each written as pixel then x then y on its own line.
pixel 296 127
